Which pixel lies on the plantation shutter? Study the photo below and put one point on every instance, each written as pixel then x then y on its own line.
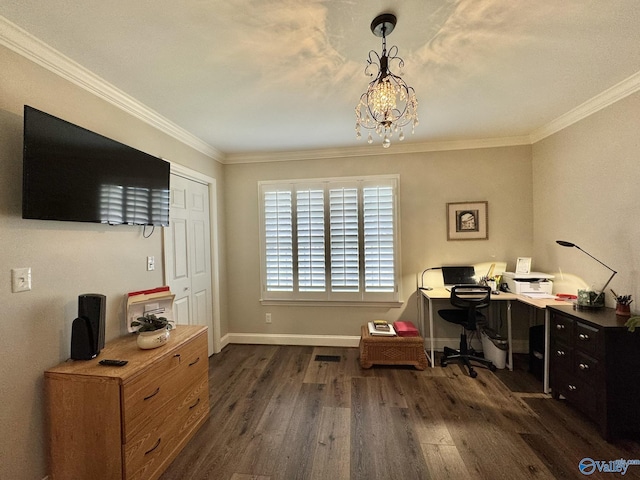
pixel 379 258
pixel 310 228
pixel 278 238
pixel 343 213
pixel 330 240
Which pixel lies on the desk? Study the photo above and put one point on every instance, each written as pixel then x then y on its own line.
pixel 441 293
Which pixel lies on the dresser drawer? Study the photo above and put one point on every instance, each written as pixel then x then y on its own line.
pixel 587 338
pixel 167 432
pixel 157 386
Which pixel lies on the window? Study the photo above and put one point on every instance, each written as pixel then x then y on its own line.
pixel 330 240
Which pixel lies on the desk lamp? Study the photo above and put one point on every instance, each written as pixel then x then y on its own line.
pixel 589 302
pixel 422 287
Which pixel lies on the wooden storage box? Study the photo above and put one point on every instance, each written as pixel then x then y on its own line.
pixel 375 350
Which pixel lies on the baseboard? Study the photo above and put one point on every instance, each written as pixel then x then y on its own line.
pixel 519 346
pixel 291 339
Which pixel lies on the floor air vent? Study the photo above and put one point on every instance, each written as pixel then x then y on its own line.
pixel 327 358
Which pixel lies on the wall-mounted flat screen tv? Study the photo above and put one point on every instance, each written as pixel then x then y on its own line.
pixel 73 174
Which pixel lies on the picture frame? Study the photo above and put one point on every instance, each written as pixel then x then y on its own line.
pixel 523 265
pixel 468 220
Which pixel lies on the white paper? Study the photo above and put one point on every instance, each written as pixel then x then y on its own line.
pixel 538 295
pixel 381 333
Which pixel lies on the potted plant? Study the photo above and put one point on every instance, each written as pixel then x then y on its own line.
pixel 632 323
pixel 153 331
pixel 623 303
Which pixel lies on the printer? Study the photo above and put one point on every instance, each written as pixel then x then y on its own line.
pixel 534 282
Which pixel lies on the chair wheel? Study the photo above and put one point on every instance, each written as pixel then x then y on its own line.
pixel 443 362
pixel 492 367
pixel 473 373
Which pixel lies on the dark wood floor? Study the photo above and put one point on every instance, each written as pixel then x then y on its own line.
pixel 278 414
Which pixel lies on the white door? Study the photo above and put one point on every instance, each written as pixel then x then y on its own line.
pixel 187 247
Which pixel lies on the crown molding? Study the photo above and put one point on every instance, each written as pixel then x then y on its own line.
pixel 30 47
pixel 373 150
pixel 619 91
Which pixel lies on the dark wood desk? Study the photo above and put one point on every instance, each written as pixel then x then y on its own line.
pixel 595 366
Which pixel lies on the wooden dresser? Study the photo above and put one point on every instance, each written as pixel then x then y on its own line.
pixel 595 365
pixel 127 422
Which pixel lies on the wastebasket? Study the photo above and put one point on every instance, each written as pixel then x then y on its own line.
pixel 494 347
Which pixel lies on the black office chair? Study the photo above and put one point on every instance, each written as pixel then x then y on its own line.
pixel 469 299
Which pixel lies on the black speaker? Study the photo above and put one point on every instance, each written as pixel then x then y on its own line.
pixel 83 343
pixel 91 306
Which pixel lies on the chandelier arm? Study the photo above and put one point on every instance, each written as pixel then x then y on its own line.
pixel 372 62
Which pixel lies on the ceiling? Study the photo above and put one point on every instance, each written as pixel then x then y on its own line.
pixel 253 76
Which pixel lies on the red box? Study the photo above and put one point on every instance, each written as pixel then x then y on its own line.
pixel 405 329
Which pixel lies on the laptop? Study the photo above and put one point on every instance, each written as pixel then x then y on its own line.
pixel 458 275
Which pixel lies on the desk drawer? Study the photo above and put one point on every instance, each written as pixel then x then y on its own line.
pixel 561 357
pixel 587 338
pixel 586 368
pixel 577 392
pixel 562 328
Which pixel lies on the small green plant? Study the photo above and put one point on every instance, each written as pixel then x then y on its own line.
pixel 150 323
pixel 632 323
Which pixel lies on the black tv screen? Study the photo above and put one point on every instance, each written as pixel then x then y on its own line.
pixel 73 174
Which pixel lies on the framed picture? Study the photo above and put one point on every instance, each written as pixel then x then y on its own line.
pixel 523 265
pixel 468 221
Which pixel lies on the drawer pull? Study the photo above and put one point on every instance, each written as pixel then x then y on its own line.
pixel 572 388
pixel 194 362
pixel 176 355
pixel 195 404
pixel 560 326
pixel 153 448
pixel 153 394
pixel 583 366
pixel 583 336
pixel 560 353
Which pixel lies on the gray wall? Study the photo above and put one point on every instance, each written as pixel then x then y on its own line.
pixel 502 176
pixel 66 259
pixel 585 184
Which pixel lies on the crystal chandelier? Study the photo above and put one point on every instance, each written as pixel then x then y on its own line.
pixel 389 104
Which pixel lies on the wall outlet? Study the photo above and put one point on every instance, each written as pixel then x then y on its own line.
pixel 151 263
pixel 267 318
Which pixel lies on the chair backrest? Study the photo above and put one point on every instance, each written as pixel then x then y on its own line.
pixel 471 298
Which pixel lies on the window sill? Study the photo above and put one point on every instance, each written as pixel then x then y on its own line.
pixel 328 303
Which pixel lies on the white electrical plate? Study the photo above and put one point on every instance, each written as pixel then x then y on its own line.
pixel 20 279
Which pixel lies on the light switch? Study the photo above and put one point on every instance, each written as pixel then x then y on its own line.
pixel 20 279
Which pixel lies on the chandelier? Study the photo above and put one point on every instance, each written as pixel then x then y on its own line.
pixel 389 104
